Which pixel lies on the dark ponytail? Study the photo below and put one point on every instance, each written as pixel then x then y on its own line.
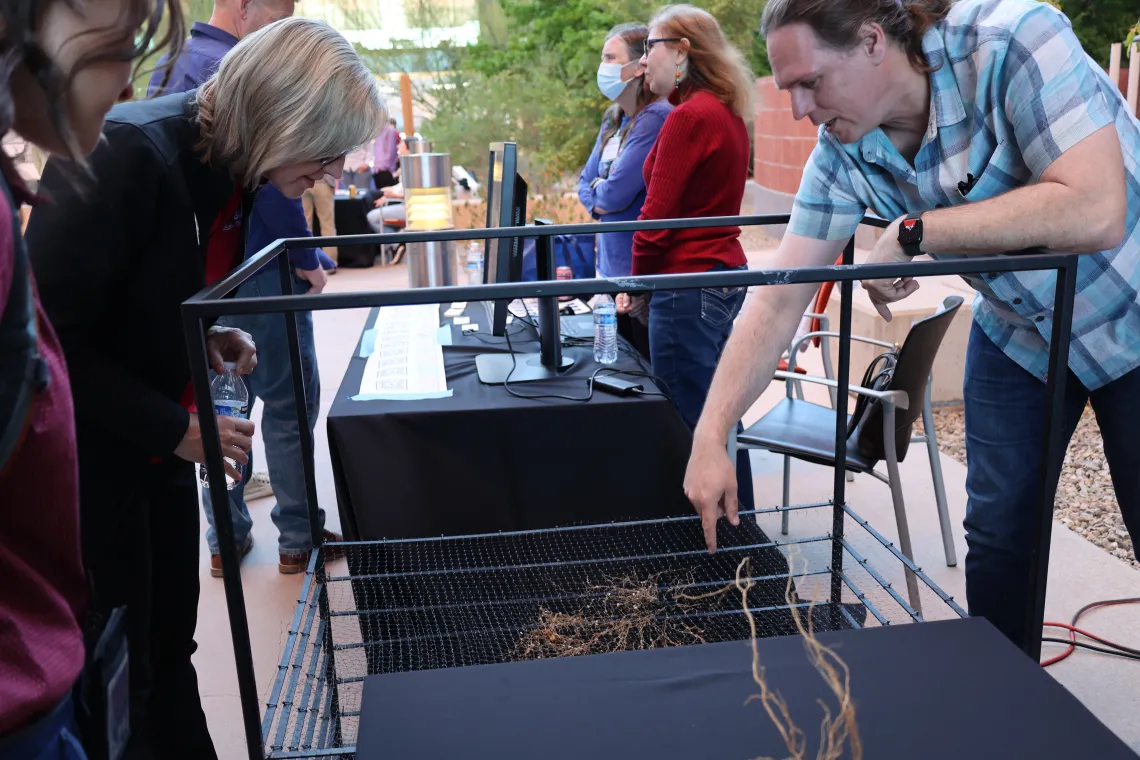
pixel 19 47
pixel 839 23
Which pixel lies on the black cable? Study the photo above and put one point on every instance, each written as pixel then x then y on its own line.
pixel 516 394
pixel 1083 645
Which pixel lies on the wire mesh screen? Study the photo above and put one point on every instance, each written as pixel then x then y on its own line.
pixel 448 602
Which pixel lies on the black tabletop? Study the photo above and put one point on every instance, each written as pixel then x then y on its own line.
pixel 942 690
pixel 483 460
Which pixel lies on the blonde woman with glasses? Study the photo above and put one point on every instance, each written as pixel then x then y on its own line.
pixel 162 216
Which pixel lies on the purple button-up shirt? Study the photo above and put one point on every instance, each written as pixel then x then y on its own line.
pixel 273 216
pixel 384 156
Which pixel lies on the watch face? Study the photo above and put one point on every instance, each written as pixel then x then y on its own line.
pixel 910 231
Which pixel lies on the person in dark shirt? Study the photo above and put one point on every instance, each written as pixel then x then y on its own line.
pixel 273 217
pixel 175 178
pixel 86 59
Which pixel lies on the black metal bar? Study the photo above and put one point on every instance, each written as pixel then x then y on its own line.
pixel 514 630
pixel 862 597
pixel 575 562
pixel 839 479
pixel 295 668
pixel 330 650
pixel 318 692
pixel 195 331
pixel 306 690
pixel 907 563
pixel 300 404
pixel 313 754
pixel 566 529
pixel 1052 455
pixel 303 603
pixel 888 587
pixel 207 303
pixel 485 603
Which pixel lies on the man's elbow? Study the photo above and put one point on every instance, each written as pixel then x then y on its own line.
pixel 1102 222
pixel 1109 230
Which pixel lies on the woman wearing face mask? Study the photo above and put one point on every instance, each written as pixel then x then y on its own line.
pixel 612 186
pixel 65 65
pixel 163 217
pixel 697 168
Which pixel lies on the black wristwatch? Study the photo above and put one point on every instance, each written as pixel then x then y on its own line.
pixel 910 234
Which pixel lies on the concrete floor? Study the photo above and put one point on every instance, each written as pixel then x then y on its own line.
pixel 1079 572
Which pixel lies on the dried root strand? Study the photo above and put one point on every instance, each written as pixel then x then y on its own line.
pixel 835 731
pixel 624 614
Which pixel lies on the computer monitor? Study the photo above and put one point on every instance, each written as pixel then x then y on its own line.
pixel 506 207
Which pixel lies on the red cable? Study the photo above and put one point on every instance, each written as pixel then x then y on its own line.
pixel 1073 630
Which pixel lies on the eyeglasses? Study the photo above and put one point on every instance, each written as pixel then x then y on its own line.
pixel 326 161
pixel 650 43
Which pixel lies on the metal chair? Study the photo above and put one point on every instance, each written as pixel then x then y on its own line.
pixel 803 430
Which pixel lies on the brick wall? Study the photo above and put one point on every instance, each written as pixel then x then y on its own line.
pixel 782 143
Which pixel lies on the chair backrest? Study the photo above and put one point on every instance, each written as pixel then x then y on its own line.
pixel 912 370
pixel 819 306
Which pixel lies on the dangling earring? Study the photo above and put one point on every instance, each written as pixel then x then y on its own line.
pixel 677 80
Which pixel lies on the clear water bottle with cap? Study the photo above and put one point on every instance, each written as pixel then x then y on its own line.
pixel 231 399
pixel 605 330
pixel 475 263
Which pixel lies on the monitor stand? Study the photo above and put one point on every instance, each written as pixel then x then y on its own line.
pixel 494 369
pixel 521 368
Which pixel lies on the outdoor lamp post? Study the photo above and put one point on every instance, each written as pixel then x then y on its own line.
pixel 427 202
pixel 418 145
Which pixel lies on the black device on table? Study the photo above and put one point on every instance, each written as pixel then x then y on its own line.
pixel 506 207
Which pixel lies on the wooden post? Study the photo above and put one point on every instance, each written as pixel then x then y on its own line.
pixel 1114 62
pixel 1134 78
pixel 406 99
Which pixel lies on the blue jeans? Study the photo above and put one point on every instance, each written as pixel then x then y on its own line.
pixel 272 383
pixel 687 333
pixel 55 736
pixel 1005 427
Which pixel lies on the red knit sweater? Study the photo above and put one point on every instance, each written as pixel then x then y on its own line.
pixel 698 167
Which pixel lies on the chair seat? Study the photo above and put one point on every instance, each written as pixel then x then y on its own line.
pixel 803 430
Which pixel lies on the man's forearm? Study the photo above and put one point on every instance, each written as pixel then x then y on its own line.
pixel 751 356
pixel 1079 206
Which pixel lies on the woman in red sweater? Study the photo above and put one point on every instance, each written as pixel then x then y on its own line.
pixel 698 167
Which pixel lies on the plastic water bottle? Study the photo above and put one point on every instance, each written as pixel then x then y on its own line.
pixel 231 399
pixel 605 330
pixel 475 264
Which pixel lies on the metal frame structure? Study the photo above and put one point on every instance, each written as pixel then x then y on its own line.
pixel 211 303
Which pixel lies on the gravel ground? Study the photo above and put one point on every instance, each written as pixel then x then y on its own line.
pixel 1086 502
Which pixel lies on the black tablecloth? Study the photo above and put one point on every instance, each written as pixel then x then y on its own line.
pixel 953 690
pixel 483 461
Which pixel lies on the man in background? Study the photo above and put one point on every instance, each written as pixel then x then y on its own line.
pixel 273 216
pixel 321 200
pixel 385 161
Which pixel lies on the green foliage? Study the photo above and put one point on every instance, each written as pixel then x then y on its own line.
pixel 1100 23
pixel 549 54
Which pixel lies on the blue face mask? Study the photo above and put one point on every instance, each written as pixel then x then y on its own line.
pixel 609 80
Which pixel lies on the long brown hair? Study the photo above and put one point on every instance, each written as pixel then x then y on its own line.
pixel 19 47
pixel 715 65
pixel 634 36
pixel 838 23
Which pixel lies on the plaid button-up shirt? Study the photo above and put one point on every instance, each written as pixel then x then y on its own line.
pixel 1015 90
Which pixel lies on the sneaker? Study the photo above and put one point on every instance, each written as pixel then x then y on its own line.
pixel 291 564
pixel 258 486
pixel 216 559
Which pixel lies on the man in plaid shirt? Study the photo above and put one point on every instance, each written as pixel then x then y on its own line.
pixel 985 126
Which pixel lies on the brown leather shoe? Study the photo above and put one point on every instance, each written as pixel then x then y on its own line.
pixel 216 559
pixel 291 564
